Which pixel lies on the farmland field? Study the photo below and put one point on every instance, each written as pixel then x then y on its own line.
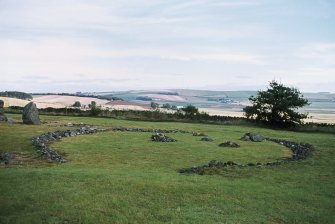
pixel 124 177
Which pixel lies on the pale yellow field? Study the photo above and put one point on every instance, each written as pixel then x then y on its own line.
pixel 314 117
pixel 67 101
pixel 57 101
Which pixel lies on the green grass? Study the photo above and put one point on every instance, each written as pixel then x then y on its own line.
pixel 123 177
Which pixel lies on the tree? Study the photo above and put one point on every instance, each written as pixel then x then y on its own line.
pixel 95 111
pixel 277 106
pixel 166 106
pixel 93 104
pixel 154 105
pixel 190 111
pixel 77 104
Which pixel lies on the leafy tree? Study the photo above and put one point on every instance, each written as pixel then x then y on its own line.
pixel 166 106
pixel 174 107
pixel 190 111
pixel 95 111
pixel 154 105
pixel 277 106
pixel 93 104
pixel 77 104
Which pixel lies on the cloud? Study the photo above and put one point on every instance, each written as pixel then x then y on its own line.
pixel 319 52
pixel 62 43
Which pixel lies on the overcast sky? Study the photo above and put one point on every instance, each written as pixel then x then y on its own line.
pixel 106 45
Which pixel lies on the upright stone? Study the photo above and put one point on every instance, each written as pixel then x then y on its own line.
pixel 2 111
pixel 30 114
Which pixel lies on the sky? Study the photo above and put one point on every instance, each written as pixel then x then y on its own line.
pixel 113 45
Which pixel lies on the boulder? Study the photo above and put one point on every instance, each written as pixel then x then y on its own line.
pixel 2 112
pixel 30 114
pixel 198 134
pixel 229 144
pixel 5 157
pixel 207 139
pixel 4 119
pixel 159 137
pixel 253 137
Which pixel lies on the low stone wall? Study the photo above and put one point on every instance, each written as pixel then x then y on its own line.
pixel 159 137
pixel 122 129
pixel 299 151
pixel 43 141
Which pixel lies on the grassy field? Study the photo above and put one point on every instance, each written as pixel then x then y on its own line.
pixel 123 177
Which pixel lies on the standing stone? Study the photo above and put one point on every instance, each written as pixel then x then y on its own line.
pixel 30 114
pixel 2 112
pixel 4 119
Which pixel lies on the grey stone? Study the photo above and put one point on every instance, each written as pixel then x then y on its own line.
pixel 207 139
pixel 198 134
pixel 229 144
pixel 2 112
pixel 159 137
pixel 4 119
pixel 6 157
pixel 257 138
pixel 253 137
pixel 30 114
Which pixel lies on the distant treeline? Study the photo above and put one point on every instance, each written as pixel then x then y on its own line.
pixel 108 97
pixel 135 115
pixel 162 116
pixel 16 94
pixel 144 98
pixel 168 93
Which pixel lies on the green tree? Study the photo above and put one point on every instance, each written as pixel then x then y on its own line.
pixel 154 105
pixel 277 106
pixel 190 111
pixel 92 104
pixel 77 104
pixel 166 106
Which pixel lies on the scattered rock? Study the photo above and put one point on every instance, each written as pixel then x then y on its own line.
pixel 5 157
pixel 207 139
pixel 4 119
pixel 198 134
pixel 30 114
pixel 253 137
pixel 215 163
pixel 159 137
pixel 229 144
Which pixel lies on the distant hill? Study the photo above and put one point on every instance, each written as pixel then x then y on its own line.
pixel 221 100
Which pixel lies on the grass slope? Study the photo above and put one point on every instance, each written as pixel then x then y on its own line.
pixel 117 177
